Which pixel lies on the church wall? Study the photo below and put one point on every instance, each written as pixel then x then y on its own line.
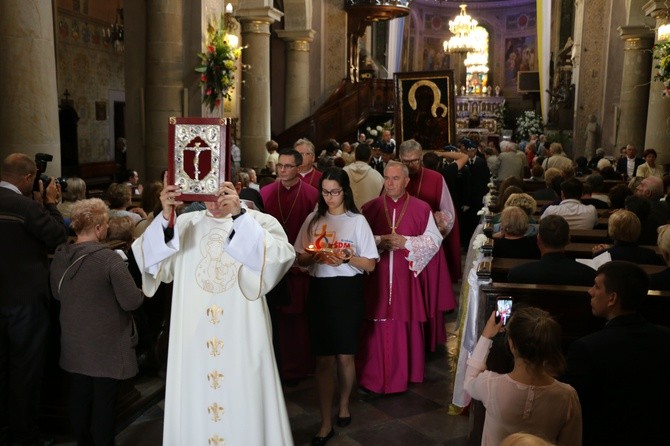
pixel 608 113
pixel 89 68
pixel 333 48
pixel 592 65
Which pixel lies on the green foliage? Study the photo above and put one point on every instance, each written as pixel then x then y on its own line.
pixel 217 65
pixel 662 57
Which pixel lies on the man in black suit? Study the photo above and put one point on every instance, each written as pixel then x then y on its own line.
pixel 376 162
pixel 554 268
pixel 620 372
pixel 480 176
pixel 28 227
pixel 627 166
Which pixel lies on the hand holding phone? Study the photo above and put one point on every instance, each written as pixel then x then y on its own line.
pixel 503 309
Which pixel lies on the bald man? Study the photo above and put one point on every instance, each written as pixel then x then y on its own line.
pixel 30 225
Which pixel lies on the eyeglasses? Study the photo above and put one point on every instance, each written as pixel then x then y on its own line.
pixel 408 162
pixel 306 154
pixel 332 193
pixel 286 166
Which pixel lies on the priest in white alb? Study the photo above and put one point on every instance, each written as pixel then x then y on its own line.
pixel 222 381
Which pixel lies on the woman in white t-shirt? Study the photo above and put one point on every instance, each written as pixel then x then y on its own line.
pixel 528 399
pixel 337 246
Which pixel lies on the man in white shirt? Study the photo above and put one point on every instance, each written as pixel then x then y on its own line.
pixel 578 215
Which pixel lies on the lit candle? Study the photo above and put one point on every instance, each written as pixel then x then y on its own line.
pixel 229 8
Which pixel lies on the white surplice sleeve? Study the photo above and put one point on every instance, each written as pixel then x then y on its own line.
pixel 152 252
pixel 261 246
pixel 447 213
pixel 423 247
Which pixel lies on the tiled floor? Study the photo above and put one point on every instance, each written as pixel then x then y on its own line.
pixel 417 417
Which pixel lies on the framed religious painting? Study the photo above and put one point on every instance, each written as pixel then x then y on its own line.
pixel 198 156
pixel 425 108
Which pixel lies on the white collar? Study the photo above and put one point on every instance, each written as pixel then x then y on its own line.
pixel 10 186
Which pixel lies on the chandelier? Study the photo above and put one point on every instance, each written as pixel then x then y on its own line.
pixel 477 59
pixel 114 33
pixel 460 27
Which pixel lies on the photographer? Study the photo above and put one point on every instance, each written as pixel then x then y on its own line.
pixel 28 228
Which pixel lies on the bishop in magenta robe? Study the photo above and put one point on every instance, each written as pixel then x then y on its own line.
pixel 290 201
pixel 392 352
pixel 430 187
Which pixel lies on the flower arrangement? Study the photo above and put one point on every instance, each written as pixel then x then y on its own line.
pixel 529 123
pixel 479 241
pixel 217 65
pixel 374 132
pixel 662 57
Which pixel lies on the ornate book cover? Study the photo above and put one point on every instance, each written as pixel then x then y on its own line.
pixel 199 156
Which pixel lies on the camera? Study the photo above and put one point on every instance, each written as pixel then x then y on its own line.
pixel 41 160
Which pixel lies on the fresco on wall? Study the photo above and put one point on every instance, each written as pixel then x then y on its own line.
pixel 435 23
pixel 520 22
pixel 434 57
pixel 88 67
pixel 520 55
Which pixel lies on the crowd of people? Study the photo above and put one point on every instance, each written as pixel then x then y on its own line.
pixel 316 269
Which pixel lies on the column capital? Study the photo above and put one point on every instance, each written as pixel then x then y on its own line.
pixel 636 37
pixel 301 35
pixel 268 15
pixel 656 9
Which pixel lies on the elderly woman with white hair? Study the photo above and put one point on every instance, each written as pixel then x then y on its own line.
pixel 512 240
pixel 98 336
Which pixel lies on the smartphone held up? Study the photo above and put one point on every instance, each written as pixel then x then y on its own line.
pixel 503 309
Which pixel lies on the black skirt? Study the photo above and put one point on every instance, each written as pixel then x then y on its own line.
pixel 335 311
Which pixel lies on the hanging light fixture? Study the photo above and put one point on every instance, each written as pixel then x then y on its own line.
pixel 460 27
pixel 477 59
pixel 115 31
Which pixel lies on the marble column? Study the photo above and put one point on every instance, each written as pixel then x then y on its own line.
pixel 29 113
pixel 658 116
pixel 164 84
pixel 297 74
pixel 255 114
pixel 634 86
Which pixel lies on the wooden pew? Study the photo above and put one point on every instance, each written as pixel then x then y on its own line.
pixel 98 176
pixel 499 268
pixel 578 250
pixel 594 236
